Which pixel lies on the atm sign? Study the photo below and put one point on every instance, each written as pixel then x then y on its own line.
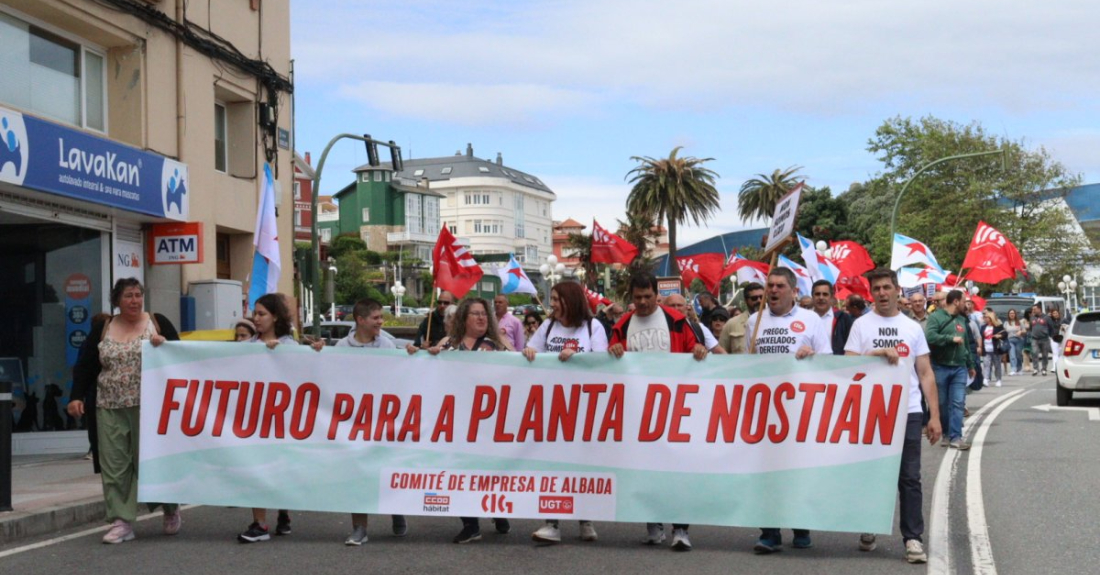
pixel 176 243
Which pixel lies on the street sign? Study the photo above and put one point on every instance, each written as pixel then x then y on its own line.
pixel 786 211
pixel 176 243
pixel 667 286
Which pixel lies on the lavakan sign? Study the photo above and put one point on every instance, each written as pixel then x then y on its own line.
pixel 176 243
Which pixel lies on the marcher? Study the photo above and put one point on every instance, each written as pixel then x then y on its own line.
pixel 702 334
pixel 708 304
pixel 367 314
pixel 244 330
pixel 511 328
pixel 718 319
pixel 886 332
pixel 918 309
pixel 113 362
pixel 474 329
pixel 1040 333
pixel 85 379
pixel 651 328
pixel 733 335
pixel 531 322
pixel 1058 326
pixel 837 323
pixel 993 344
pixel 951 364
pixel 271 316
pixel 785 322
pixel 435 318
pixel 570 330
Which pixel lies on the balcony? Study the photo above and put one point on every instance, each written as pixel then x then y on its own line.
pixel 409 238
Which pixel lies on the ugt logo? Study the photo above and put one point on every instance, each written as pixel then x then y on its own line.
pixel 13 148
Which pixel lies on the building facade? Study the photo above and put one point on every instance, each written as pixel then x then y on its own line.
pixel 112 121
pixel 303 198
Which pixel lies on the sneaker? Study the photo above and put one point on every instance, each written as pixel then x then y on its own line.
pixel 914 552
pixel 960 445
pixel 256 532
pixel 1044 373
pixel 767 546
pixel 1036 372
pixel 400 526
pixel 88 456
pixel 283 525
pixel 944 442
pixel 548 533
pixel 867 542
pixel 469 533
pixel 680 541
pixel 503 526
pixel 172 522
pixel 998 384
pixel 120 532
pixel 588 531
pixel 358 536
pixel 802 542
pixel 655 533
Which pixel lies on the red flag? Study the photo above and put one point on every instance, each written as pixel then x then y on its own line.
pixel 608 248
pixel 991 257
pixel 595 299
pixel 851 258
pixel 707 267
pixel 453 267
pixel 847 284
pixel 747 270
pixel 979 302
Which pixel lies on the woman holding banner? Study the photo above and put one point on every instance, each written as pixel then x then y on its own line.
pixel 271 317
pixel 474 329
pixel 571 329
pixel 113 361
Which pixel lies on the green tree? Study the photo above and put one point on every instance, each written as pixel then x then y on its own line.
pixel 580 245
pixel 674 190
pixel 345 243
pixel 943 206
pixel 355 281
pixel 821 216
pixel 640 230
pixel 759 195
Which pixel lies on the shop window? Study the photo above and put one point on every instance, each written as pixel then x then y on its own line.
pixel 234 133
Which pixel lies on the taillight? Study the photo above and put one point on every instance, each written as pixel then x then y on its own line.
pixel 1073 348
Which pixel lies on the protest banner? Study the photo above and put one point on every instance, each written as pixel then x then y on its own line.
pixel 731 440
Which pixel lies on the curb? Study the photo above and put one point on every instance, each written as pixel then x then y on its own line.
pixel 18 525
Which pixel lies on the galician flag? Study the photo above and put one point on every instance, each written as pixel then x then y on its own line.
pixel 819 267
pixel 265 262
pixel 913 277
pixel 805 282
pixel 909 251
pixel 513 279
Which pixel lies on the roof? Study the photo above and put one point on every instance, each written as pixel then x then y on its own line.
pixel 301 165
pixel 1084 202
pixel 461 166
pixel 570 223
pixel 724 244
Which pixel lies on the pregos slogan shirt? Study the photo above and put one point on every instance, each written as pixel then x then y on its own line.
pixel 786 334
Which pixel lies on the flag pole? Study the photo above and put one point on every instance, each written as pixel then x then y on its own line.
pixel 759 319
pixel 431 312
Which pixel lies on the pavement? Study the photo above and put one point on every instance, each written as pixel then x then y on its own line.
pixel 51 493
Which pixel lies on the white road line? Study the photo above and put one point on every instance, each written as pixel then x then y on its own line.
pixel 939 546
pixel 981 552
pixel 77 535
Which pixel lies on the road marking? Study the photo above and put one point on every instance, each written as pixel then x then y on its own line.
pixel 981 552
pixel 1094 412
pixel 939 545
pixel 77 535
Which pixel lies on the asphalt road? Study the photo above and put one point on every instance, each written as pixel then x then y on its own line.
pixel 1037 478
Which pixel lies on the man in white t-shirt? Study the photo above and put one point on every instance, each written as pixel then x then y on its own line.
pixel 785 329
pixel 368 333
pixel 888 333
pixel 652 328
pixel 702 332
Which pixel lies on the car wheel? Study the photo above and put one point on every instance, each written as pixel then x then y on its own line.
pixel 1064 395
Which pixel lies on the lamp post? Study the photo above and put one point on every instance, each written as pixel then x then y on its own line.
pixel 894 215
pixel 580 273
pixel 398 291
pixel 330 289
pixel 551 271
pixel 1068 287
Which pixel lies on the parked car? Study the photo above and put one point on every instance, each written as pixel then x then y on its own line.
pixel 521 310
pixel 1001 303
pixel 422 310
pixel 334 331
pixel 1078 366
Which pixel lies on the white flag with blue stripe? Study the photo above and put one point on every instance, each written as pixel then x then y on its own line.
pixel 265 263
pixel 513 279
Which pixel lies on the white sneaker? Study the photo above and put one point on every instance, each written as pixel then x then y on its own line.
pixel 120 531
pixel 914 552
pixel 588 531
pixel 655 533
pixel 998 384
pixel 548 533
pixel 680 541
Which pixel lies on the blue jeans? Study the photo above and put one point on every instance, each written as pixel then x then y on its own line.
pixel 951 384
pixel 1016 353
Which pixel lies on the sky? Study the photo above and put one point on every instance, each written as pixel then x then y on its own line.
pixel 570 90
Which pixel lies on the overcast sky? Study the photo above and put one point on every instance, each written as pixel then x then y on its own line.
pixel 570 90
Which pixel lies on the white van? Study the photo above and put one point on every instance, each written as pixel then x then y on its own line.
pixel 1022 302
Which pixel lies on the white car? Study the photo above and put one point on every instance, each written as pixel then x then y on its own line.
pixel 1078 367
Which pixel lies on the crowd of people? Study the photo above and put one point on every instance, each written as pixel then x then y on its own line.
pixel 951 343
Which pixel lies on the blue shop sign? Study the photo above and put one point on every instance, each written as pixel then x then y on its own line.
pixel 48 157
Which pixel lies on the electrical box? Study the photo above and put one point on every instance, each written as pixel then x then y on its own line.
pixel 217 303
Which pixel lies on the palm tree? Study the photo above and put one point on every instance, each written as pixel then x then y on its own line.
pixel 673 190
pixel 759 195
pixel 580 247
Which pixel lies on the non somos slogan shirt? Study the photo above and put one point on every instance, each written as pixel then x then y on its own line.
pixel 873 331
pixel 575 338
pixel 649 333
pixel 786 334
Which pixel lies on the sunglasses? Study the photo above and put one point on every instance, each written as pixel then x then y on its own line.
pixel 441 302
pixel 755 297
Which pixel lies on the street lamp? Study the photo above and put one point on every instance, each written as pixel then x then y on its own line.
pixel 330 289
pixel 894 215
pixel 1068 287
pixel 551 271
pixel 398 291
pixel 580 273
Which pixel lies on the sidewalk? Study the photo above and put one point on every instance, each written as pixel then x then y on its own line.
pixel 50 493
